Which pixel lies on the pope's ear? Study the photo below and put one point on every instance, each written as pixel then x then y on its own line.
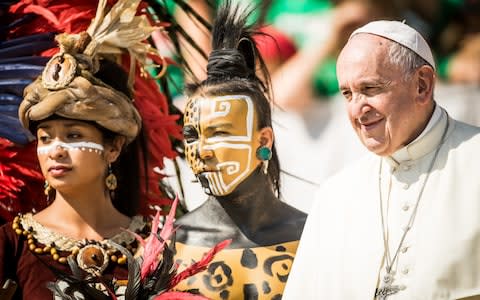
pixel 266 137
pixel 425 76
pixel 114 149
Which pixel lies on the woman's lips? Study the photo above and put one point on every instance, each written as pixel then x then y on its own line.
pixel 57 171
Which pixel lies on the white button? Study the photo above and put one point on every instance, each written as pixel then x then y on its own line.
pixel 406 207
pixel 406 186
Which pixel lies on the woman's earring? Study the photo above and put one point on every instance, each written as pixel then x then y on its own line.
pixel 264 154
pixel 111 180
pixel 47 189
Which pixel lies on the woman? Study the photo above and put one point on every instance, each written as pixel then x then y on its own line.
pixel 89 150
pixel 230 147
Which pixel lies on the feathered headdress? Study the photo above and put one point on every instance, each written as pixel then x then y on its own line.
pixel 28 29
pixel 69 87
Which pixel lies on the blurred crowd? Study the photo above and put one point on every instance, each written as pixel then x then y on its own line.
pixel 303 38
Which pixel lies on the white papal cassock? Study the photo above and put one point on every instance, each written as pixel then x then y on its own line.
pixel 342 253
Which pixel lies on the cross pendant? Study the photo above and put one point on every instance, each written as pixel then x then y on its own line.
pixel 387 290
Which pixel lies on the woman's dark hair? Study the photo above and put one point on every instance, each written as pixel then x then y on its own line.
pixel 127 167
pixel 232 69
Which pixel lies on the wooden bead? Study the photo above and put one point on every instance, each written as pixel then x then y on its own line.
pixel 114 258
pixel 18 231
pixel 55 256
pixel 53 251
pixel 30 241
pixel 15 226
pixel 62 260
pixel 38 250
pixel 47 249
pixel 31 247
pixel 25 232
pixel 122 260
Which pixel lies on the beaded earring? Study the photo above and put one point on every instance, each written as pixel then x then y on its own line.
pixel 264 154
pixel 111 180
pixel 47 190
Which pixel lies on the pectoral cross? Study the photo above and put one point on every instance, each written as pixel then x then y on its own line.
pixel 387 288
pixel 385 291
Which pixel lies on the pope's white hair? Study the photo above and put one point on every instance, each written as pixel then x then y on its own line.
pixel 406 59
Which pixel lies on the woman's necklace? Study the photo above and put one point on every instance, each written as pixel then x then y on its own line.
pixel 91 256
pixel 387 288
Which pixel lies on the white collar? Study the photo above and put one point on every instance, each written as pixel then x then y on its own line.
pixel 426 142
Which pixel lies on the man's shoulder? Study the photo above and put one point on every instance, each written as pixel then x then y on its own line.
pixel 353 178
pixel 465 135
pixel 362 166
pixel 465 127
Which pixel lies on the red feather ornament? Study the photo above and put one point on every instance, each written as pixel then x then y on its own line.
pixel 20 179
pixel 201 265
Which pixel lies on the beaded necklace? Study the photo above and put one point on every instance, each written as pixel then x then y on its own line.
pixel 91 256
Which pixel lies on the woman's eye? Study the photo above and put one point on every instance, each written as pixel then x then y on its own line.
pixel 44 139
pixel 74 135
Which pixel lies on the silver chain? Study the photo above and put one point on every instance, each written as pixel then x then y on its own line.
pixel 389 262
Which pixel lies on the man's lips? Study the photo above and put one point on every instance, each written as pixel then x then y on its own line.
pixel 208 172
pixel 370 124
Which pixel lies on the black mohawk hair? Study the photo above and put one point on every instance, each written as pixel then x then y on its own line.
pixel 232 36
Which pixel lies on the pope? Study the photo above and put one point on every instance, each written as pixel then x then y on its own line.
pixel 404 221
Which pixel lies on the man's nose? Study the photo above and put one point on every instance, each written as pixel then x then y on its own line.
pixel 360 105
pixel 204 151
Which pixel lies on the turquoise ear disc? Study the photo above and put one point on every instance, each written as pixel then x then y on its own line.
pixel 264 153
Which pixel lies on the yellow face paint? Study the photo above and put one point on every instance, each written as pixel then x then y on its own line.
pixel 221 138
pixel 243 273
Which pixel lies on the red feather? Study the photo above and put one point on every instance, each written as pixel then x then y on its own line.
pixel 153 246
pixel 160 128
pixel 21 181
pixel 201 264
pixel 70 16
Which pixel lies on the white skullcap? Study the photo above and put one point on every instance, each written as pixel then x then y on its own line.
pixel 401 33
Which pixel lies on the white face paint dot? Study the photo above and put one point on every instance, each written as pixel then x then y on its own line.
pixel 82 146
